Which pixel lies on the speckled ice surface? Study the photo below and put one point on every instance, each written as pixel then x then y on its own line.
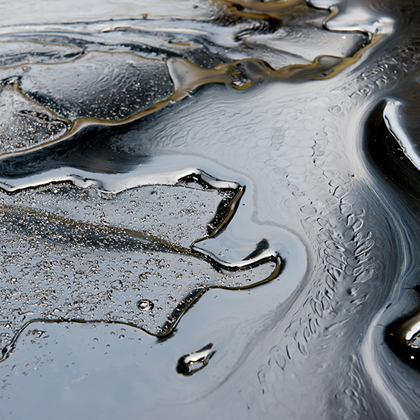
pixel 197 220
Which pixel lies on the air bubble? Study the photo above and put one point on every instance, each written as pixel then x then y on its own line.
pixel 145 305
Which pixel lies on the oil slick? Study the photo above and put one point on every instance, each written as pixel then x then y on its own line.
pixel 306 164
pixel 180 78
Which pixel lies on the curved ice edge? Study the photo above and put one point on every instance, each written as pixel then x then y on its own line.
pixel 293 263
pixel 111 183
pixel 377 376
pixel 143 175
pixel 375 331
pixel 348 17
pixel 391 115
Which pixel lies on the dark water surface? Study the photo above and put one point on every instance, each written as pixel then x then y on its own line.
pixel 210 209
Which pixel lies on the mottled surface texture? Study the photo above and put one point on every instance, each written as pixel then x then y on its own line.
pixel 210 210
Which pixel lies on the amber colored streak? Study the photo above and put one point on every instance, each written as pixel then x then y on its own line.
pixel 21 210
pixel 244 73
pixel 240 75
pixel 154 240
pixel 259 10
pixel 16 87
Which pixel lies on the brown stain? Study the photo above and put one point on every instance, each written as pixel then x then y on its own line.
pixel 240 75
pixel 253 9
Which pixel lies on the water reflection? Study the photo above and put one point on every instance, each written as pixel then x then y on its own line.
pixel 147 159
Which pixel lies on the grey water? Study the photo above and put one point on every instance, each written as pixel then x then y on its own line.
pixel 210 209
